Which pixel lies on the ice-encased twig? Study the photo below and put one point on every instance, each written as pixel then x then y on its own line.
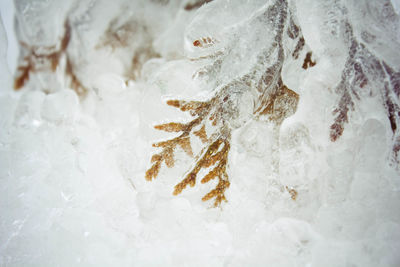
pixel 272 99
pixel 49 61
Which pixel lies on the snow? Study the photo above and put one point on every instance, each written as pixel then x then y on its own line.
pixel 72 168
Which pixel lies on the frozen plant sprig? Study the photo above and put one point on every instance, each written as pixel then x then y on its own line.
pixel 262 81
pixel 214 154
pixel 49 60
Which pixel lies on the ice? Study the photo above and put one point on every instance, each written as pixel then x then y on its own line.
pixel 60 107
pixel 296 101
pixel 5 79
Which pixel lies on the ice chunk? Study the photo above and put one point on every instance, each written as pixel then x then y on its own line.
pixel 28 111
pixel 295 155
pixel 373 146
pixel 5 77
pixel 60 107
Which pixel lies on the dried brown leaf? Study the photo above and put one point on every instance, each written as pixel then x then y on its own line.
pixel 193 105
pixel 202 134
pixel 156 157
pixel 186 146
pixel 168 156
pixel 171 127
pixel 23 77
pixel 153 171
pixel 174 103
pixel 211 175
pixel 189 180
pixel 308 61
pixel 168 143
pixel 218 193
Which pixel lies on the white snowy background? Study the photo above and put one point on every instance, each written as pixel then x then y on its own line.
pixel 72 186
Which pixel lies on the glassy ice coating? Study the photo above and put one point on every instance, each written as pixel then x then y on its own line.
pixel 282 116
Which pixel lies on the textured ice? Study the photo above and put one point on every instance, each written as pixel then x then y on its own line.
pixel 75 138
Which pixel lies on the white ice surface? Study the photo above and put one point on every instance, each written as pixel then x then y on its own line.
pixel 7 16
pixel 72 187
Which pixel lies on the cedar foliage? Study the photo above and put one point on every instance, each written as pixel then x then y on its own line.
pixel 273 101
pixel 48 61
pixel 214 154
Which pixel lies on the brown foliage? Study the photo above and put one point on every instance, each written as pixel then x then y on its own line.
pixel 293 193
pixel 274 101
pixel 202 134
pixel 308 61
pixel 210 158
pixel 35 62
pixel 299 46
pixel 134 36
pixel 195 4
pixel 215 152
pixel 281 104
